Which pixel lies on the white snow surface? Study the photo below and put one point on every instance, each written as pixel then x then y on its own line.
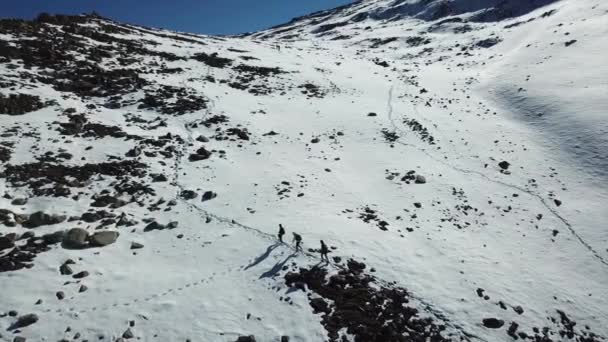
pixel 529 100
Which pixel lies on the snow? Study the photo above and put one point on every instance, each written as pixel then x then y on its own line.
pixel 203 285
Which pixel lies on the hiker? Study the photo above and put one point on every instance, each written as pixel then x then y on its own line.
pixel 298 239
pixel 324 251
pixel 281 232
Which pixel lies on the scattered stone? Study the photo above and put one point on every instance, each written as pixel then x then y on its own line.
pixel 518 309
pixel 103 238
pixel 188 194
pixel 128 334
pixel 80 275
pixel 19 201
pixel 76 238
pixel 201 154
pixel 154 226
pixel 504 165
pixel 24 321
pixel 65 269
pixel 40 218
pixel 60 295
pixel 250 338
pixel 493 323
pixel 136 245
pixel 82 288
pixel 557 202
pixel 208 195
pixel 420 179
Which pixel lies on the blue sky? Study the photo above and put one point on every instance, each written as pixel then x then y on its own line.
pixel 197 16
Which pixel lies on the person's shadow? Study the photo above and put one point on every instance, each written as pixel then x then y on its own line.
pixel 264 255
pixel 277 267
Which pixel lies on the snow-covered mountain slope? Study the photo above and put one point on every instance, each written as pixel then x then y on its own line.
pixel 454 165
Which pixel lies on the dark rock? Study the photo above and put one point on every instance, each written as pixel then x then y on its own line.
pixel 19 339
pixel 202 138
pixel 12 313
pixel 493 323
pixel 172 225
pixel 154 226
pixel 6 243
pixel 103 238
pixel 250 338
pixel 128 334
pixel 420 179
pixel 24 321
pixel 82 288
pixel 504 165
pixel 55 237
pixel 201 154
pixel 60 295
pixel 136 245
pixel 134 152
pixel 557 202
pixel 65 269
pixel 80 275
pixel 158 177
pixel 513 330
pixel 319 305
pixel 188 194
pixel 208 195
pixel 284 338
pixel 372 114
pixel 76 238
pixel 518 309
pixel 19 201
pixel 40 218
pixel 418 205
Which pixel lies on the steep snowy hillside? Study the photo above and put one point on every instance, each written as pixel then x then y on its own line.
pixel 451 154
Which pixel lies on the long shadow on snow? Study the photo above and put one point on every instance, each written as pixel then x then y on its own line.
pixel 277 267
pixel 264 255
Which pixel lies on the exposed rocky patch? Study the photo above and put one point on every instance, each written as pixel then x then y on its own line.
pixel 18 104
pixel 354 302
pixel 45 179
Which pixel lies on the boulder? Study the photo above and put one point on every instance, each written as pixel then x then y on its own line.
pixel 6 242
pixel 188 194
pixel 103 238
pixel 40 218
pixel 19 201
pixel 249 338
pixel 24 321
pixel 493 323
pixel 76 238
pixel 53 238
pixel 420 179
pixel 80 275
pixel 504 164
pixel 208 195
pixel 154 226
pixel 136 245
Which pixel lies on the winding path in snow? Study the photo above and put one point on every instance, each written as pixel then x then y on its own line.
pixel 542 200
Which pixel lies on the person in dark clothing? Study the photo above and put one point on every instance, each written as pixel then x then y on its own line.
pixel 324 251
pixel 298 240
pixel 281 232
